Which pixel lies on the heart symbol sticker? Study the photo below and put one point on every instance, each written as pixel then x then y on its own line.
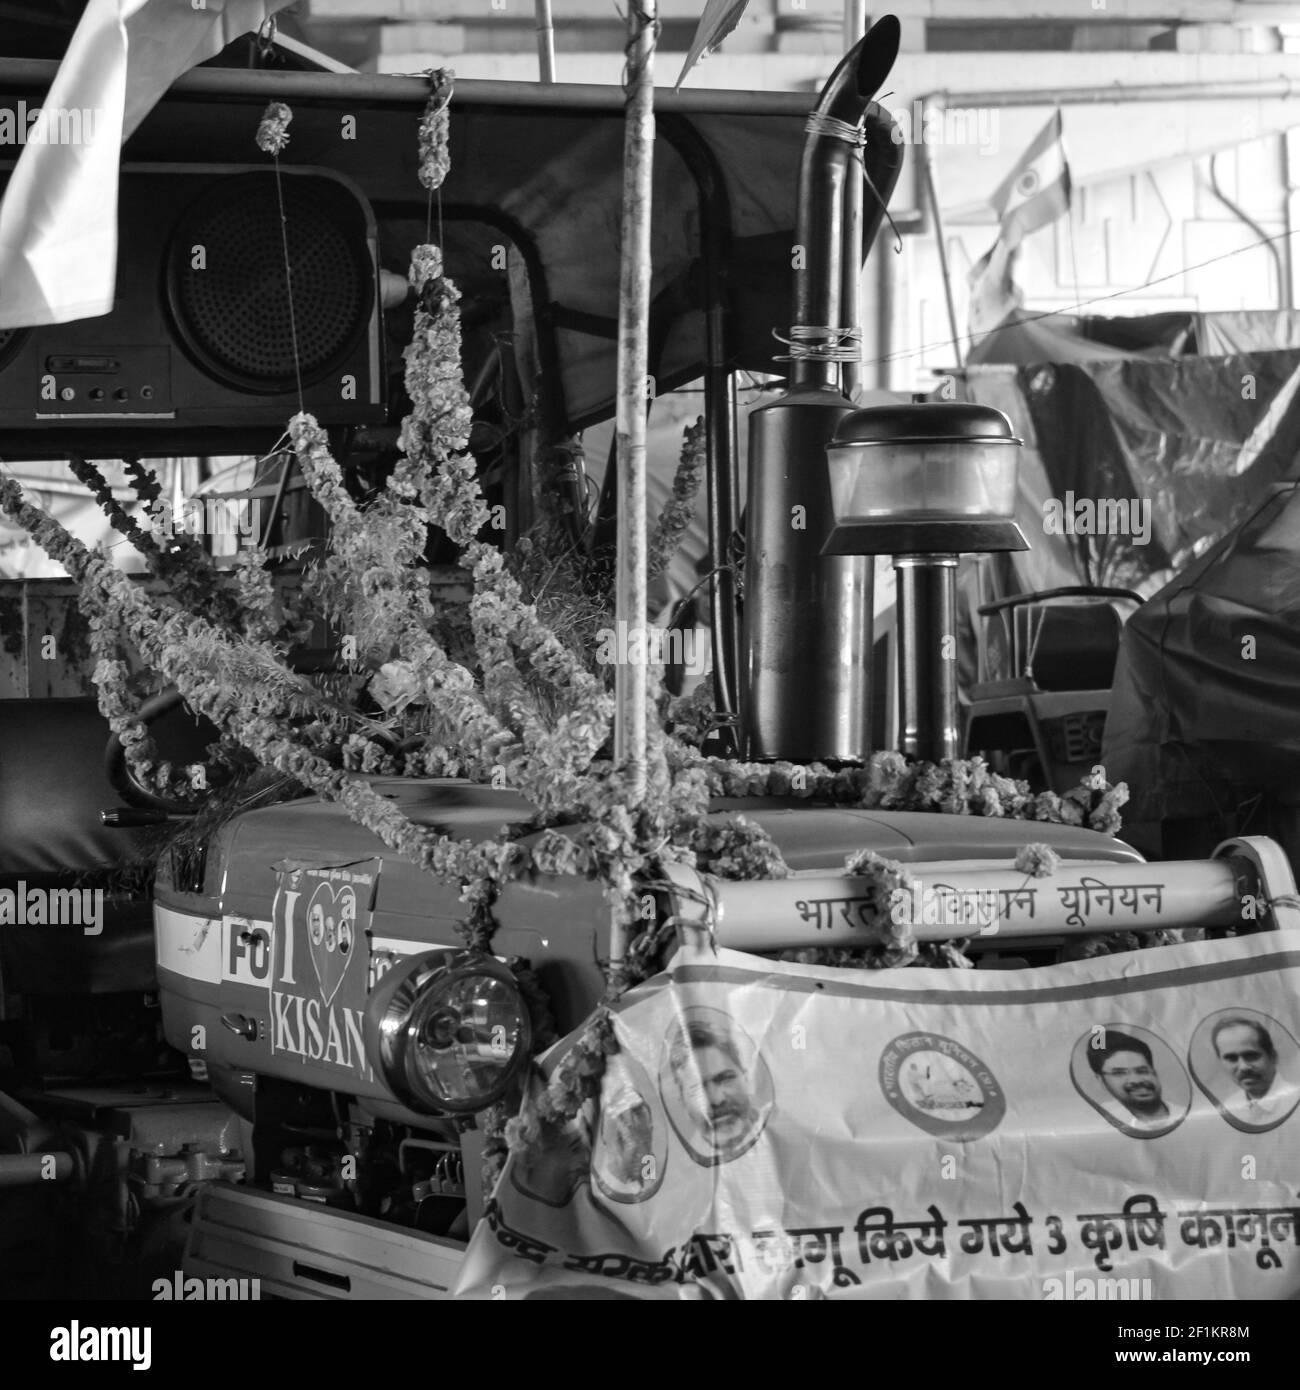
pixel 331 935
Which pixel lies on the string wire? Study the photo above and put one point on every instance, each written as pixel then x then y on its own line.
pixel 813 343
pixel 288 284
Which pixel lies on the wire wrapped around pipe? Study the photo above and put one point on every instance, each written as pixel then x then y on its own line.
pixel 808 343
pixel 855 136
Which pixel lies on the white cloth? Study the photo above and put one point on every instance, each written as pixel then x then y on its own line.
pixel 58 220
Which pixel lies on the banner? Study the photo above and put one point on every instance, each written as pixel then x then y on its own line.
pixel 1119 1128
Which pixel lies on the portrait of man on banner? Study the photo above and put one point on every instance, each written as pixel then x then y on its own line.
pixel 1249 1066
pixel 716 1088
pixel 1133 1078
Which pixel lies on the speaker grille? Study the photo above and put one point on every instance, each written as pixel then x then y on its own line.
pixel 232 309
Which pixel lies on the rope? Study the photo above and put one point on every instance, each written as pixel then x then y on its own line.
pixel 288 285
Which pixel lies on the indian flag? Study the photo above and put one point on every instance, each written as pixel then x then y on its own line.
pixel 58 220
pixel 1037 190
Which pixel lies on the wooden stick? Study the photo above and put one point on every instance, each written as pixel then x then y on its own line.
pixel 630 685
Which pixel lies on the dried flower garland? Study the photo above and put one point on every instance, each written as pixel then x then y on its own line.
pixel 144 482
pixel 555 744
pixel 179 560
pixel 273 129
pixel 92 479
pixel 435 129
pixel 955 786
pixel 111 677
pixel 370 582
pixel 679 510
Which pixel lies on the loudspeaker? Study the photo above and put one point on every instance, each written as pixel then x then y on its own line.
pixel 205 350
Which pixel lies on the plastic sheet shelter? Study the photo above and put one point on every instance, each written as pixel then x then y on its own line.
pixel 1189 445
pixel 1206 702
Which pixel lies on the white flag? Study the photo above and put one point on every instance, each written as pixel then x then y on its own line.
pixel 58 220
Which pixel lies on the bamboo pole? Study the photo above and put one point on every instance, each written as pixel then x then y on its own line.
pixel 630 684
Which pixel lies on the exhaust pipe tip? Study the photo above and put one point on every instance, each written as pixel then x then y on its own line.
pixel 823 176
pixel 863 70
pixel 877 54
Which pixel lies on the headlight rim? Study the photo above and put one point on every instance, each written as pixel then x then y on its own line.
pixel 390 1025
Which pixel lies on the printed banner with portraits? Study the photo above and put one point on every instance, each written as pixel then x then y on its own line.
pixel 1126 1127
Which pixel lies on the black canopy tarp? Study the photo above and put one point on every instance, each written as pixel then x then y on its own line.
pixel 1205 708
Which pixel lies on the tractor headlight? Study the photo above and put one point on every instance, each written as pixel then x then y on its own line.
pixel 449 1030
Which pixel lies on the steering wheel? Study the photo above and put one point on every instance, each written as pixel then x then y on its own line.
pixel 186 741
pixel 189 734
